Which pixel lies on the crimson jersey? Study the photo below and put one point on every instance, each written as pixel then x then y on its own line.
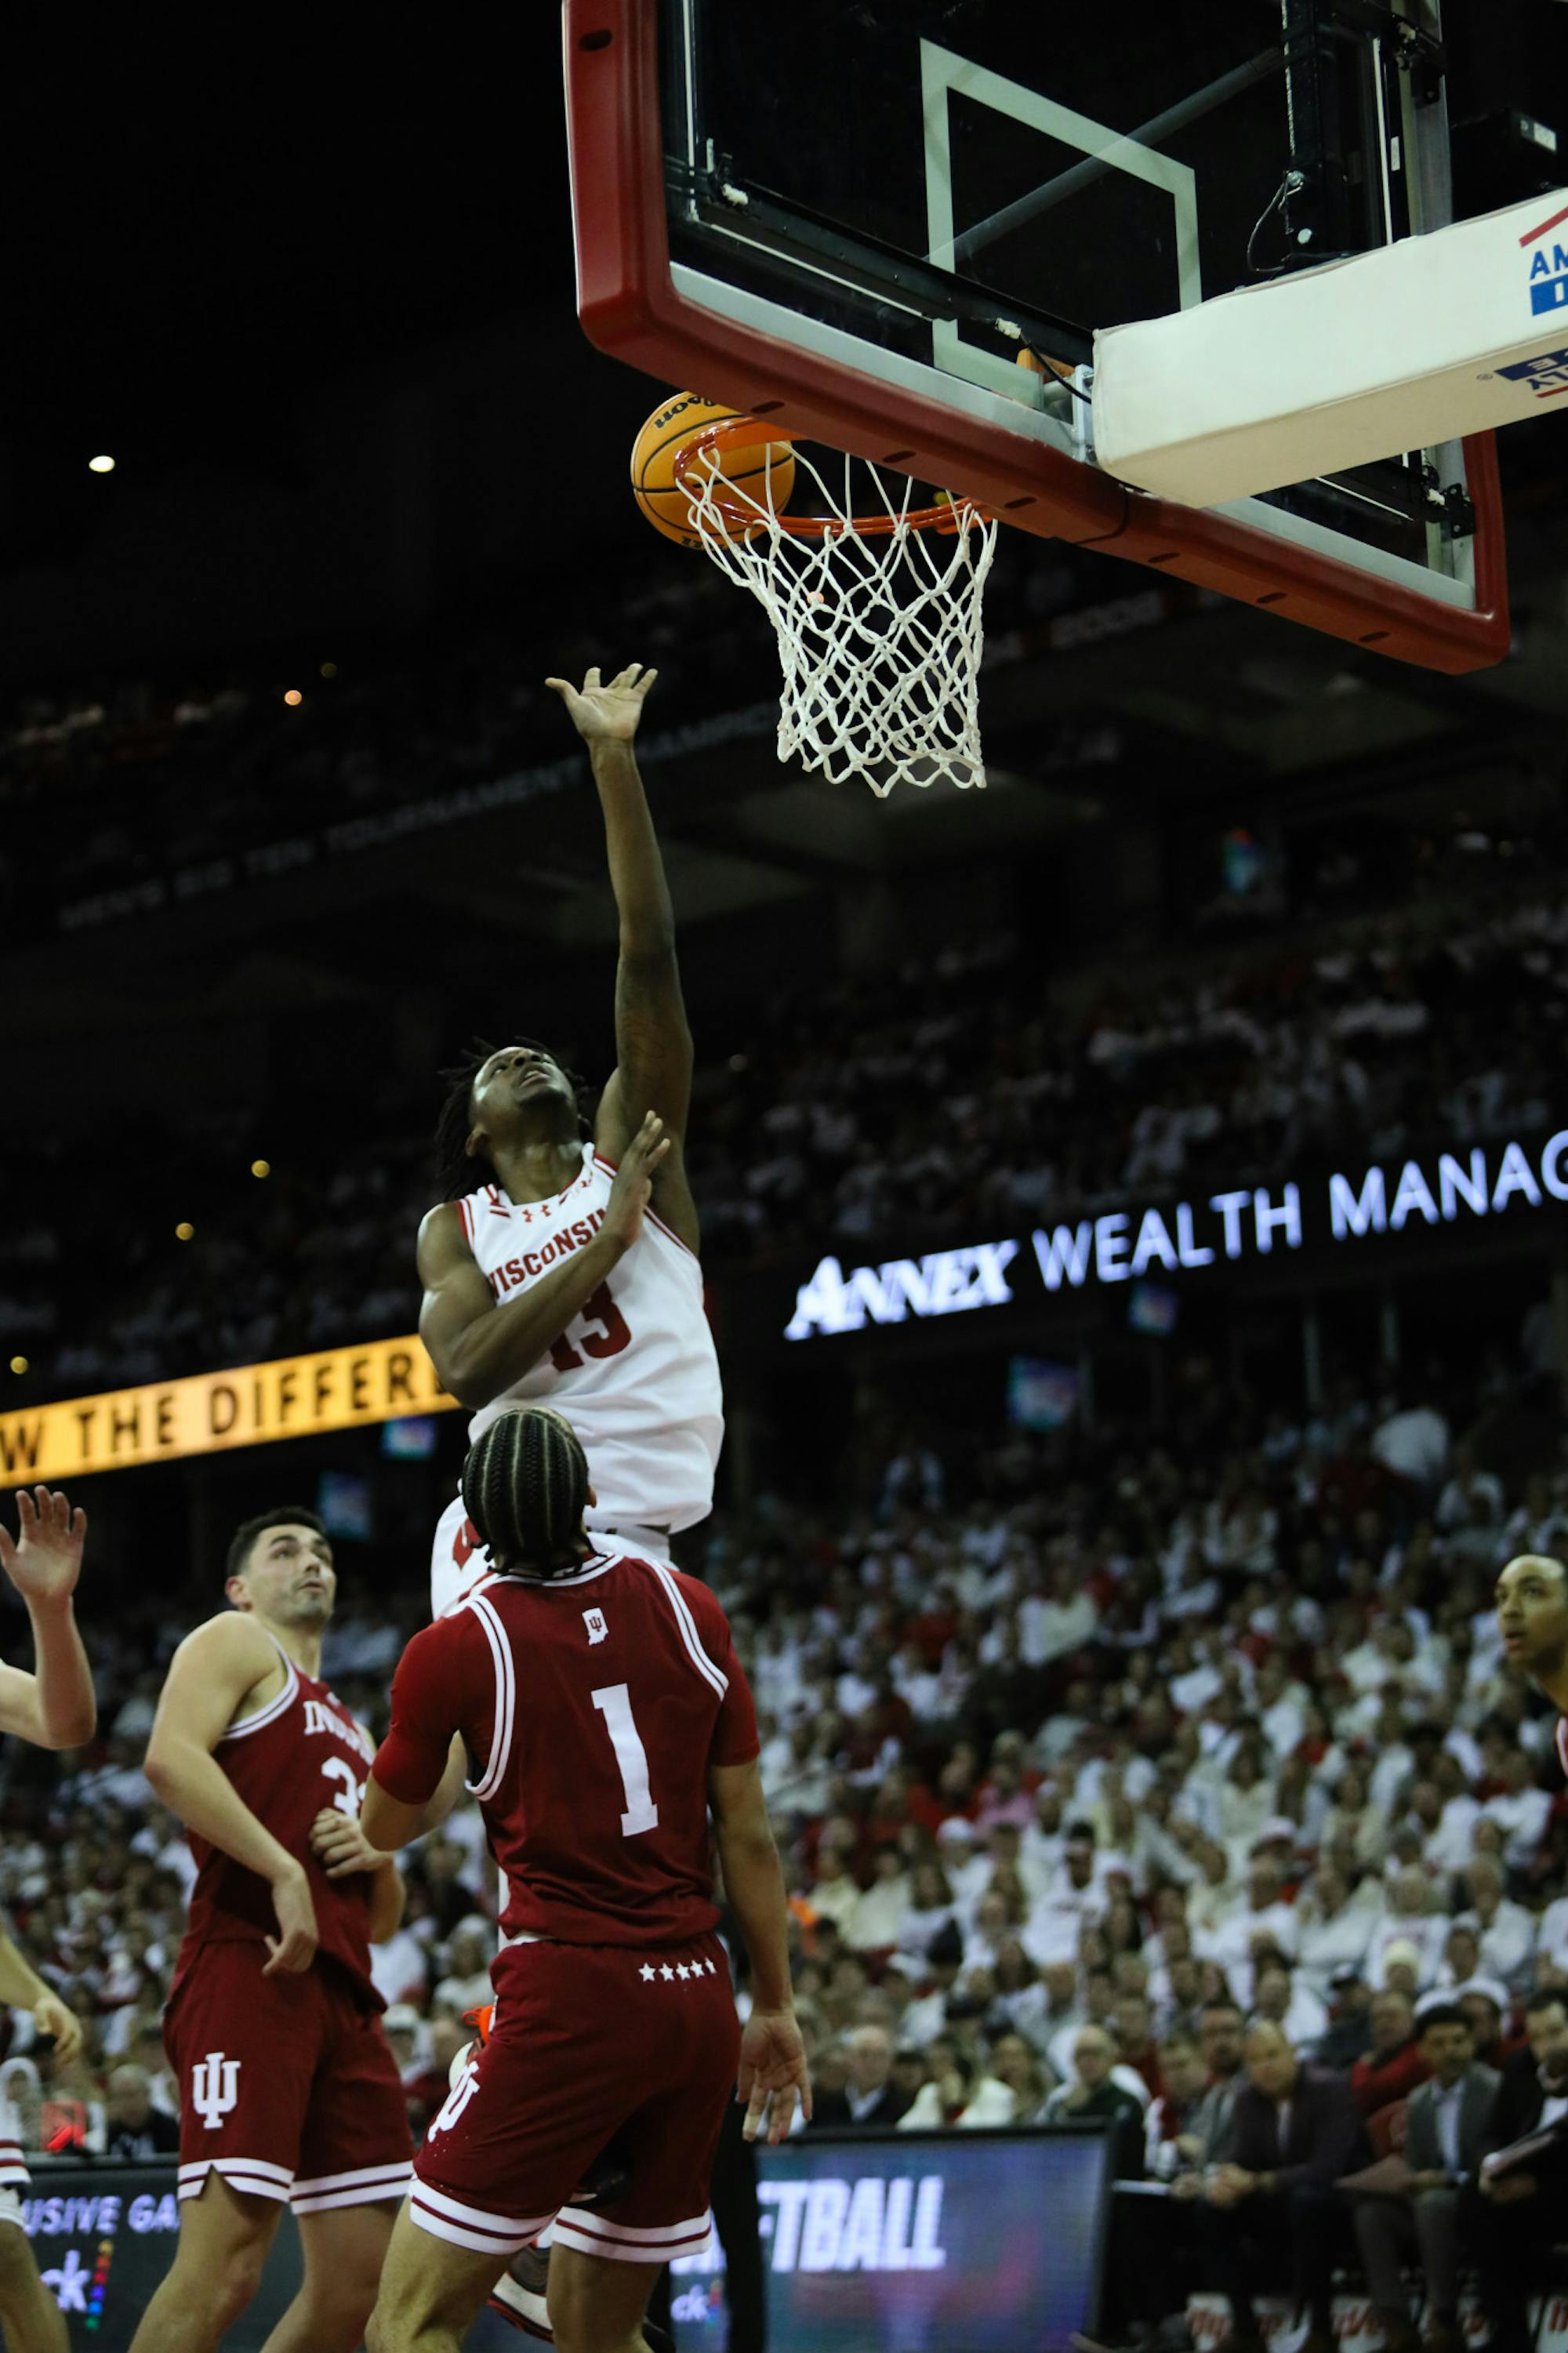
pixel 300 1752
pixel 592 1707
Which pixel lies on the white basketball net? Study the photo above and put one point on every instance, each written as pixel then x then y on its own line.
pixel 879 635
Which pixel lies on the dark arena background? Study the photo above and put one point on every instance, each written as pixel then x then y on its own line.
pixel 1134 1202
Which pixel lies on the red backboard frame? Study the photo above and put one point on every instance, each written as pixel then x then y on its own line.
pixel 630 308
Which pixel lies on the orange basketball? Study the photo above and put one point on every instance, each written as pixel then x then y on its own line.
pixel 654 485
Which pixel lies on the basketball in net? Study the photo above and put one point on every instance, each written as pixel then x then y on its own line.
pixel 877 602
pixel 661 498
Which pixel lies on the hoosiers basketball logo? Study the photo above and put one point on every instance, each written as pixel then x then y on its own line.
pixel 214 2088
pixel 594 1622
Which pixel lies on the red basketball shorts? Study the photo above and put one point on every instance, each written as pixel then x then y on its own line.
pixel 591 2045
pixel 288 2088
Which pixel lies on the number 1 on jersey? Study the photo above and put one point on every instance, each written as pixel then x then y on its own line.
pixel 613 1704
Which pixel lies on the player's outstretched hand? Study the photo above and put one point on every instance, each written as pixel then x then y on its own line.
pixel 633 1188
pixel 51 2017
pixel 44 1560
pixel 606 715
pixel 341 1847
pixel 773 2075
pixel 293 1948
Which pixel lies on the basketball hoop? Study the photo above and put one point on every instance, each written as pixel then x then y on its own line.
pixel 878 615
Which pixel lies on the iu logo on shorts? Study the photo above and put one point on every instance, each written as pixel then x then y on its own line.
pixel 456 2100
pixel 214 2088
pixel 594 1622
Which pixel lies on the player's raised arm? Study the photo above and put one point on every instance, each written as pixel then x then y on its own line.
pixel 209 1676
pixel 653 1042
pixel 55 1706
pixel 478 1348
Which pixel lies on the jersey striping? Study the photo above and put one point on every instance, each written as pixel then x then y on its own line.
pixel 592 1707
pixel 636 1373
pixel 300 1752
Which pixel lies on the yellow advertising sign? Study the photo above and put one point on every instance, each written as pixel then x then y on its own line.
pixel 295 1397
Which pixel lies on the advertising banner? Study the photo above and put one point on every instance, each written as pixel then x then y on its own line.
pixel 293 1397
pixel 918 2242
pixel 1339 1219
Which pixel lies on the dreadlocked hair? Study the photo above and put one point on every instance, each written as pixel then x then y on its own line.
pixel 459 1171
pixel 525 1482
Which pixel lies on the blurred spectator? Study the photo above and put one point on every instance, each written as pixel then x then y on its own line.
pixel 1513 2213
pixel 1091 2094
pixel 1175 2138
pixel 1271 2211
pixel 133 2128
pixel 1448 2122
pixel 1395 2062
pixel 1348 2037
pixel 1015 2092
pixel 1505 1931
pixel 870 2098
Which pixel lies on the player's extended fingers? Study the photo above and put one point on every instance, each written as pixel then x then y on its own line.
pixel 59 1513
pixel 782 2115
pixel 26 1511
pixel 67 2032
pixel 756 2108
pixel 646 681
pixel 591 678
pixel 78 1524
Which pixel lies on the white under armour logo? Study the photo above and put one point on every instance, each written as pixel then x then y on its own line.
pixel 214 2088
pixel 456 2100
pixel 594 1622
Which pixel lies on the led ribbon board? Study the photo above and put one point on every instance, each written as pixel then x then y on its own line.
pixel 250 1405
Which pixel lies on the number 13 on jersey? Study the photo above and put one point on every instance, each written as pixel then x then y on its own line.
pixel 611 1337
pixel 613 1704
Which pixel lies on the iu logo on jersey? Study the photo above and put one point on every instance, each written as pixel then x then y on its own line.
pixel 594 1622
pixel 214 2088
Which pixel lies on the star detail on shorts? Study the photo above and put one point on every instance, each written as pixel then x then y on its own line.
pixel 708 1966
pixel 645 1973
pixel 683 1971
pixel 665 1970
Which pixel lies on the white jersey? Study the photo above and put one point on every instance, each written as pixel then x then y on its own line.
pixel 636 1373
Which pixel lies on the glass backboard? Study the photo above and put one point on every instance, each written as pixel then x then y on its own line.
pixel 858 218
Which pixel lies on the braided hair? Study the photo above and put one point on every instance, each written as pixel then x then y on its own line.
pixel 459 1171
pixel 525 1482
